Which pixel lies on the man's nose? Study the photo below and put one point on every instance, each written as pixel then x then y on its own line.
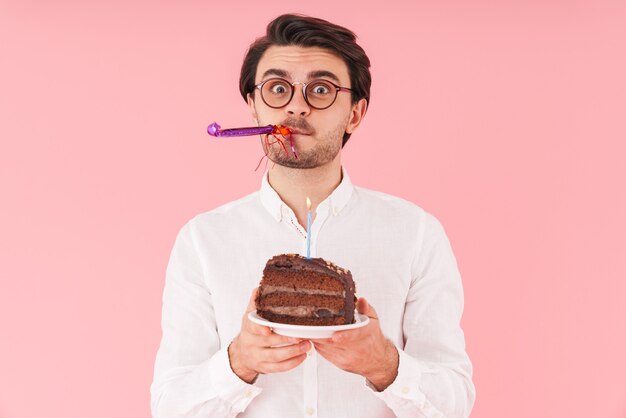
pixel 298 106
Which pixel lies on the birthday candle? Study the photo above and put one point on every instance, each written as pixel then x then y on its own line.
pixel 308 229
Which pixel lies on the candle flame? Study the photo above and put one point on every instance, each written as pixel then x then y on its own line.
pixel 308 203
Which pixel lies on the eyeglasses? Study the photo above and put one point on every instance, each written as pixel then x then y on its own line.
pixel 319 94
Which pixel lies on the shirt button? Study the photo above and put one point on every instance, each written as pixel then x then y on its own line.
pixel 310 411
pixel 405 390
pixel 248 393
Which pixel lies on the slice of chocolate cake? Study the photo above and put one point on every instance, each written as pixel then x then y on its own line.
pixel 301 291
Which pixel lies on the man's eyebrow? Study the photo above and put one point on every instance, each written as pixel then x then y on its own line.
pixel 312 75
pixel 276 72
pixel 323 73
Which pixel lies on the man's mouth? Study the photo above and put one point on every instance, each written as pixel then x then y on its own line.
pixel 298 127
pixel 298 132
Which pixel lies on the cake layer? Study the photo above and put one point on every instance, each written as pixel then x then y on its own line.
pixel 295 299
pixel 313 311
pixel 301 279
pixel 283 289
pixel 285 319
pixel 307 266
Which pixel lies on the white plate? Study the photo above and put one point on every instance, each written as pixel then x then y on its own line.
pixel 308 331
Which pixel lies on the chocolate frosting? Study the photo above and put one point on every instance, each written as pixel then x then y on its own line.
pixel 298 262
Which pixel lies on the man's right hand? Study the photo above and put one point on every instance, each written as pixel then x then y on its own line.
pixel 254 350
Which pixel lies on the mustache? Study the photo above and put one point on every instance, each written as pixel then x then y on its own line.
pixel 298 125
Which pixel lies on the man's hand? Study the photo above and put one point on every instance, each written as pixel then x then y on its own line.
pixel 364 351
pixel 254 350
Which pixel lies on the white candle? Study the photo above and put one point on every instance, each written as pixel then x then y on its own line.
pixel 308 229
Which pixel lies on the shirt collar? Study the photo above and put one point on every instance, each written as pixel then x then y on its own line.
pixel 336 201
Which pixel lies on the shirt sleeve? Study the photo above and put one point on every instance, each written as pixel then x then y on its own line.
pixel 192 373
pixel 434 372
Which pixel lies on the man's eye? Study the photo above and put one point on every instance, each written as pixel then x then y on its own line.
pixel 320 89
pixel 278 89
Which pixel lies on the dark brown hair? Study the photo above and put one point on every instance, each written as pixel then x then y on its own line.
pixel 306 31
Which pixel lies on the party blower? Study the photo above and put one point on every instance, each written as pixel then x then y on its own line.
pixel 274 131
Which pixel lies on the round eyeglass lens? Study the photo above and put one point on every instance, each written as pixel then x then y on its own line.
pixel 320 93
pixel 276 93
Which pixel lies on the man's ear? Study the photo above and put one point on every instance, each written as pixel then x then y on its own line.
pixel 356 115
pixel 250 101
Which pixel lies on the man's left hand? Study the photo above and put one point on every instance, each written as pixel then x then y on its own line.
pixel 364 351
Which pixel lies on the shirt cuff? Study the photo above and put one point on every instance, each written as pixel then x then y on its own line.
pixel 234 391
pixel 404 394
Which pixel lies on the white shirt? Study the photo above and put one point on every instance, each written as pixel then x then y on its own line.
pixel 401 262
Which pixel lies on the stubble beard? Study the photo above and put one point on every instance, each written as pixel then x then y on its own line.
pixel 325 150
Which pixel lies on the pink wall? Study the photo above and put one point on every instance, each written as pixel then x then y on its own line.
pixel 505 121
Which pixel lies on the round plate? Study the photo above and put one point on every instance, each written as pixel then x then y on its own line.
pixel 308 331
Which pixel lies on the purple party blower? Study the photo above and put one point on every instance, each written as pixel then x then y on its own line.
pixel 216 130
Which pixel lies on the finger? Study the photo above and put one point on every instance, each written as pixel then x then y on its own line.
pixel 366 309
pixel 248 326
pixel 256 329
pixel 322 349
pixel 328 348
pixel 265 337
pixel 327 352
pixel 350 335
pixel 252 302
pixel 282 366
pixel 322 341
pixel 274 339
pixel 279 354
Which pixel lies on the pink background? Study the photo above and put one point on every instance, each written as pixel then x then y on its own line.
pixel 504 119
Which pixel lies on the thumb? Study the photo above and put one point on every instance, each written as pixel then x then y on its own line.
pixel 252 302
pixel 366 309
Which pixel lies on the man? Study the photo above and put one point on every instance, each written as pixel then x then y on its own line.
pixel 409 361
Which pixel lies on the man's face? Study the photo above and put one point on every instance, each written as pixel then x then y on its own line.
pixel 319 133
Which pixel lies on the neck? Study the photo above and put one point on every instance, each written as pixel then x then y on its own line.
pixel 294 185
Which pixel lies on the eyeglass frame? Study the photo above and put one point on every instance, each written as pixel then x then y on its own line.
pixel 304 85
